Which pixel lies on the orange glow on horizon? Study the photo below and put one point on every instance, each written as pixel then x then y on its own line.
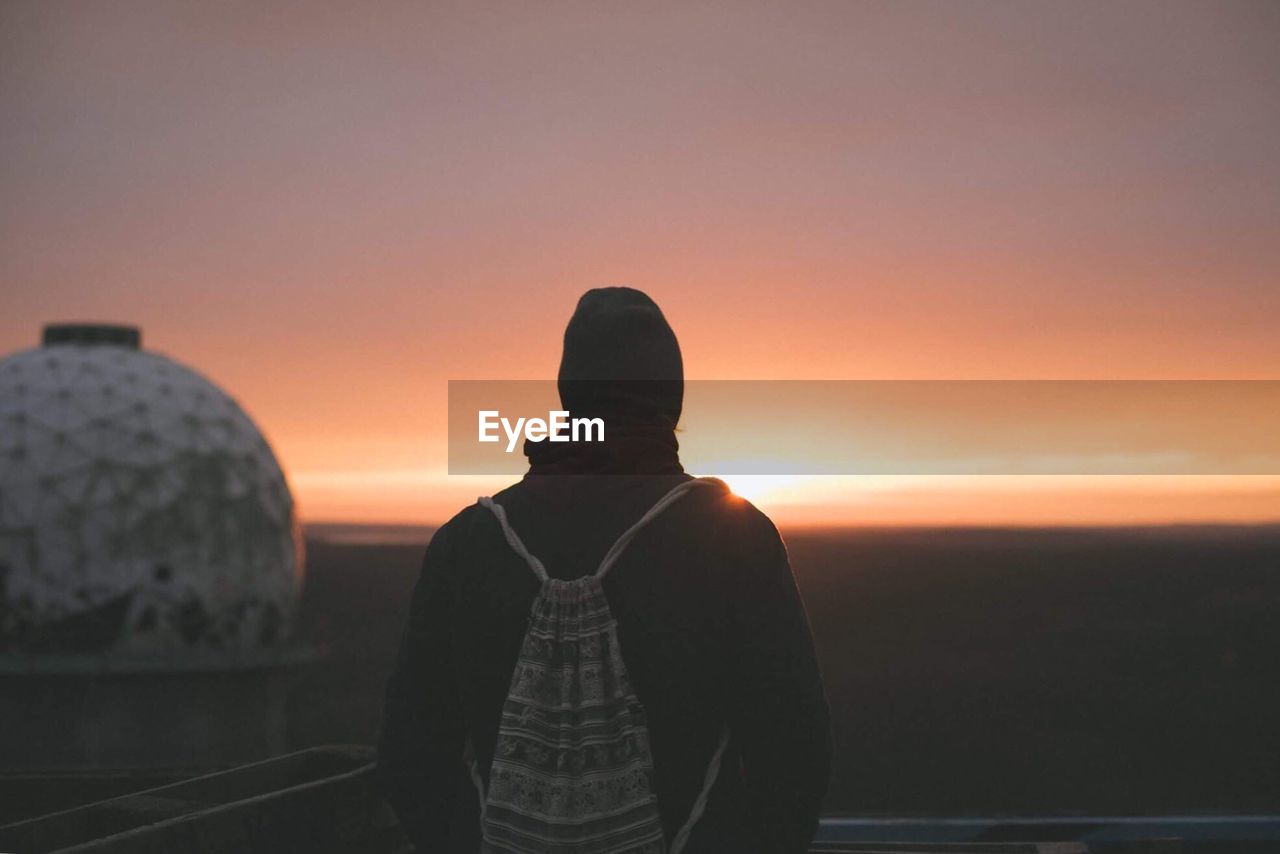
pixel 429 497
pixel 846 191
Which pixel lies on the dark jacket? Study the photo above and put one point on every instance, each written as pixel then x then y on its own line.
pixel 711 626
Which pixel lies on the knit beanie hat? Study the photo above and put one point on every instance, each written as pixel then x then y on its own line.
pixel 621 359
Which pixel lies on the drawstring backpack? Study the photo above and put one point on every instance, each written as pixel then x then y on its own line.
pixel 572 769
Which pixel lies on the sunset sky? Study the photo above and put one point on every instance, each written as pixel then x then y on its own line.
pixel 332 209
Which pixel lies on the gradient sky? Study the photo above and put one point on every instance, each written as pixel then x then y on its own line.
pixel 333 208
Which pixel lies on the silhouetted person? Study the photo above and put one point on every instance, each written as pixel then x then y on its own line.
pixel 710 625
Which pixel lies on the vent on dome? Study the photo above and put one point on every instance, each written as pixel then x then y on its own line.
pixel 93 333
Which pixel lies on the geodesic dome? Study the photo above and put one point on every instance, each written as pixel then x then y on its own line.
pixel 141 510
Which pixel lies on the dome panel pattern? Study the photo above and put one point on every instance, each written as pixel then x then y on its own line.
pixel 141 510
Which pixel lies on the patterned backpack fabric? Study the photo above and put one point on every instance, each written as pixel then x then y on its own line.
pixel 572 769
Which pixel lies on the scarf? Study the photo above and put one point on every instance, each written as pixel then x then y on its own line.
pixel 648 447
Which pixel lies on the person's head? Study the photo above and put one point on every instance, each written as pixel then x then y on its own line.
pixel 621 359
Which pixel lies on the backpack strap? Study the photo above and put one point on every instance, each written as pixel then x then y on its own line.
pixel 700 804
pixel 611 557
pixel 513 539
pixel 473 769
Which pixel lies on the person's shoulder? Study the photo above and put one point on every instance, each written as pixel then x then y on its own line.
pixel 458 525
pixel 461 529
pixel 732 518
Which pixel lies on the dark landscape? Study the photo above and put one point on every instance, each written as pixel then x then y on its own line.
pixel 970 671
